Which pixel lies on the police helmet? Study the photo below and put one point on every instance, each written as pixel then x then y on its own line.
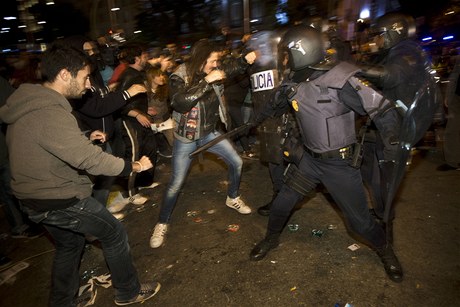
pixel 304 45
pixel 395 27
pixel 316 22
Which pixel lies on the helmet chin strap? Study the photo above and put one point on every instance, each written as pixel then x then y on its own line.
pixel 324 65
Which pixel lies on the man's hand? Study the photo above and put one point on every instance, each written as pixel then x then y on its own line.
pixel 143 120
pixel 215 75
pixel 113 86
pixel 250 57
pixel 135 89
pixel 143 164
pixel 98 136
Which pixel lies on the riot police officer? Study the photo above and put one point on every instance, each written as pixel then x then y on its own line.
pixel 398 70
pixel 266 74
pixel 325 100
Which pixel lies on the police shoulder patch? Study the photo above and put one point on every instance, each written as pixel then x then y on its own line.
pixel 295 105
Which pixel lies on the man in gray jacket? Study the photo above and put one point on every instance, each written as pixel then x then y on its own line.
pixel 49 156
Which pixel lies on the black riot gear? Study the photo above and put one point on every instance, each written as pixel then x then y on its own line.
pixel 395 27
pixel 325 105
pixel 304 46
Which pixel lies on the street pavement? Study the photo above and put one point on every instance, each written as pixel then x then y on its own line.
pixel 205 259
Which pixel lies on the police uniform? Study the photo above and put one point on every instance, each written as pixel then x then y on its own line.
pixel 272 127
pixel 325 104
pixel 399 71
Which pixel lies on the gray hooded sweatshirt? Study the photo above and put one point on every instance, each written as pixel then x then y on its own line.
pixel 48 151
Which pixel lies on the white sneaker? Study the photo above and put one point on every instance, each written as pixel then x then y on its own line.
pixel 119 216
pixel 238 204
pixel 158 235
pixel 117 204
pixel 138 199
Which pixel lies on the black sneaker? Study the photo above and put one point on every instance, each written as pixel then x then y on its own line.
pixel 264 210
pixel 29 233
pixel 147 291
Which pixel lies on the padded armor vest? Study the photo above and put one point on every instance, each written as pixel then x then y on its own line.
pixel 325 123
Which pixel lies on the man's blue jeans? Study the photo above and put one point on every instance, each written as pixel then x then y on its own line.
pixel 68 228
pixel 181 164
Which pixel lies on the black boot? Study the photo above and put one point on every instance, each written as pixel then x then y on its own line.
pixel 265 210
pixel 263 247
pixel 390 263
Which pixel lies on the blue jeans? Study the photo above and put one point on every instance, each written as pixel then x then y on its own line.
pixel 68 228
pixel 181 164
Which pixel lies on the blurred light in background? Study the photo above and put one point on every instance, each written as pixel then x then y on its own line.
pixel 364 14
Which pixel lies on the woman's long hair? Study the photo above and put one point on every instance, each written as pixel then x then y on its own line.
pixel 161 92
pixel 200 52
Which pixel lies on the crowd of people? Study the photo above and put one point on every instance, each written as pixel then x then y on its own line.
pixel 318 115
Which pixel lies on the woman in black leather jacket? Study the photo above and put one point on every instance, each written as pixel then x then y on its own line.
pixel 196 89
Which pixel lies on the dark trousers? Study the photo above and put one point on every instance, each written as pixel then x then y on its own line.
pixel 375 176
pixel 276 171
pixel 13 215
pixel 103 184
pixel 345 185
pixel 140 141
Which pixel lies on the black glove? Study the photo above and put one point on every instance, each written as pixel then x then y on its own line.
pixel 279 97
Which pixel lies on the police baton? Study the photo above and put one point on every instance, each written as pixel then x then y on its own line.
pixel 219 138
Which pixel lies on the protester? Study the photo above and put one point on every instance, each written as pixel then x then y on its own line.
pixel 98 110
pixel 159 110
pixel 52 186
pixel 92 49
pixel 196 98
pixel 138 136
pixel 162 59
pixel 119 69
